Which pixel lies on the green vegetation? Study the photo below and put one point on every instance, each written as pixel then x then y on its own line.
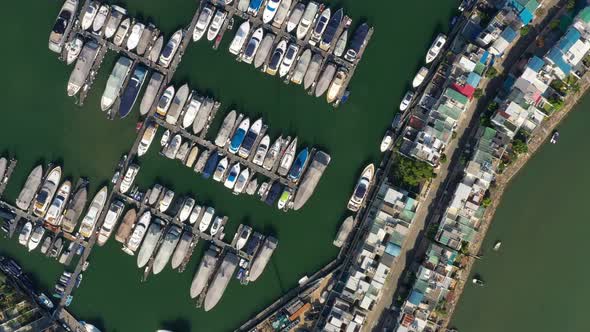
pixel 554 25
pixel 491 72
pixel 571 4
pixel 412 172
pixel 519 144
pixel 486 202
pixel 525 30
pixel 477 93
pixel 443 158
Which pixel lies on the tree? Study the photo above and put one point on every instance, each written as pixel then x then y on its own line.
pixel 486 202
pixel 443 158
pixel 492 72
pixel 525 30
pixel 413 172
pixel 519 146
pixel 477 93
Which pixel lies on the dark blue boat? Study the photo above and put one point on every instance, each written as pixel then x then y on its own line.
pixel 330 31
pixel 132 90
pixel 357 42
pixel 297 168
pixel 211 165
pixel 275 190
pixel 253 243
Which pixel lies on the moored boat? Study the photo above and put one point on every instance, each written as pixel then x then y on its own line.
pixel 115 82
pixel 172 148
pixel 320 26
pixel 110 221
pixel 281 13
pixel 150 241
pixel 145 39
pixel 337 85
pixel 122 31
pixel 344 231
pixel 307 19
pixel 45 195
pixel 181 249
pixel 220 281
pixel 277 58
pixel 89 15
pixel 420 76
pixel 73 49
pixel 387 141
pixel 195 214
pixel 126 226
pixel 272 154
pixel 56 208
pixel 261 150
pixel 242 181
pixel 129 177
pixel 191 111
pixel 74 209
pixel 96 206
pixel 135 35
pixel 284 198
pixel 147 139
pixel 131 91
pixel 341 44
pixel 252 46
pixel 165 101
pixel 100 18
pixel 177 104
pixel 405 103
pixel 36 236
pixel 243 237
pixel 192 156
pixel 288 157
pixel 203 115
pixel 362 188
pixel 156 49
pixel 232 176
pixel 312 70
pixel 311 178
pixel 165 252
pixel 254 7
pixel 221 169
pixel 206 219
pixel 30 188
pixel 203 22
pixel 186 209
pixel 155 194
pixel 171 48
pixel 295 17
pixel 211 164
pixel 216 24
pixel 63 22
pixel 264 50
pixel 357 41
pixel 166 200
pixel 270 10
pixel 225 130
pixel 330 30
pixel 25 233
pixel 117 14
pixel 436 47
pixel 239 135
pixel 82 67
pixel 216 226
pixel 325 79
pixel 240 38
pixel 301 67
pixel 200 164
pixel 46 244
pixel 250 139
pixel 297 168
pixel 138 233
pixel 289 59
pixel 204 272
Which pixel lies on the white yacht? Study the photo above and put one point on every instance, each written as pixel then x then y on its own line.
pixel 100 18
pixel 220 169
pixel 270 10
pixel 25 233
pixel 89 15
pixel 232 177
pixel 206 220
pixel 171 48
pixel 203 22
pixel 307 19
pixel 362 188
pixel 130 175
pixel 387 141
pixel 166 201
pixel 135 35
pixel 73 49
pixel 59 202
pixel 406 101
pixel 420 76
pixel 45 195
pixel 110 221
pixel 295 17
pixel 436 47
pixel 289 59
pixel 165 101
pixel 186 209
pixel 93 213
pixel 240 38
pixel 147 138
pixel 36 237
pixel 216 24
pixel 252 46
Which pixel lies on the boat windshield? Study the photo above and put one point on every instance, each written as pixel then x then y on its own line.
pixel 167 50
pixel 42 198
pixel 250 48
pixel 361 190
pixel 60 25
pixel 290 53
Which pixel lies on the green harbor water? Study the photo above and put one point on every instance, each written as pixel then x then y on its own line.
pixel 41 124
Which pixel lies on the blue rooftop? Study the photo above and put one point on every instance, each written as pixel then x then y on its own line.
pixel 473 79
pixel 569 39
pixel 536 63
pixel 415 297
pixel 556 56
pixel 508 34
pixel 526 16
pixel 393 249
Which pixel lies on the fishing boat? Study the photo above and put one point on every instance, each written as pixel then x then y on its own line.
pixel 73 210
pixel 337 85
pixel 204 272
pixel 206 219
pixel 436 47
pixel 301 67
pixel 220 169
pixel 203 22
pixel 284 198
pixel 320 26
pixel 240 38
pixel 288 60
pixel 250 139
pixel 36 236
pixel 171 48
pixel 25 233
pixel 135 35
pixel 297 168
pixel 45 196
pixel 243 237
pixel 138 234
pixel 177 104
pixel 66 16
pixel 344 231
pixel 93 213
pixel 216 24
pixel 312 70
pixel 186 209
pixel 254 7
pixel 264 50
pixel 325 79
pixel 192 156
pixel 166 200
pixel 59 202
pixel 210 165
pixel 117 14
pixel 115 82
pixel 73 49
pixel 155 194
pixel 420 76
pixel 277 58
pixel 387 141
pixel 221 279
pixel 145 39
pixel 195 213
pixel 273 154
pixel 362 188
pixel 122 31
pixel 30 188
pixel 307 19
pixel 100 19
pixel 165 101
pixel 154 52
pixel 172 148
pixel 261 150
pixel 357 41
pixel 270 10
pixel 110 221
pixel 152 235
pixel 46 244
pixel 89 15
pixel 288 157
pixel 232 177
pixel 126 226
pixel 252 46
pixel 129 177
pixel 330 29
pixel 341 44
pixel 295 17
pixel 82 68
pixel 242 181
pixel 311 178
pixel 405 103
pixel 203 115
pixel 281 13
pixel 226 128
pixel 131 91
pixel 239 135
pixel 181 249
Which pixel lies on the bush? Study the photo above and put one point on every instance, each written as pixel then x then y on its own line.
pixel 554 25
pixel 412 172
pixel 491 72
pixel 525 30
pixel 477 93
pixel 519 146
pixel 443 158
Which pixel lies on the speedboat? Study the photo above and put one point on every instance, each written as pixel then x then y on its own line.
pixel 320 26
pixel 73 49
pixel 172 148
pixel 341 44
pixel 165 101
pixel 406 101
pixel 254 7
pixel 287 159
pixel 232 177
pixel 122 31
pixel 36 237
pixel 301 67
pixel 243 237
pixel 277 58
pixel 59 202
pixel 337 85
pixel 225 130
pixel 436 47
pixel 216 226
pixel 325 79
pixel 242 181
pixel 554 137
pixel 63 20
pixel 288 60
pixel 130 175
pixel 252 46
pixel 270 10
pixel 250 139
pixel 195 213
pixel 206 220
pixel 281 13
pixel 171 48
pixel 165 138
pixel 497 245
pixel 89 15
pixel 45 195
pixel 312 70
pixel 239 135
pixel 295 17
pixel 166 201
pixel 186 209
pixel 83 67
pixel 210 164
pixel 117 14
pixel 110 221
pixel 273 154
pixel 361 189
pixel 240 38
pixel 25 233
pixel 177 104
pixel 357 41
pixel 420 76
pixel 216 24
pixel 220 169
pixel 115 82
pixel 387 141
pixel 135 35
pixel 191 111
pixel 330 30
pixel 100 18
pixel 265 48
pixel 138 234
pixel 147 138
pixel 284 199
pixel 131 91
pixel 307 19
pixel 297 167
pixel 203 22
pixel 261 150
pixel 93 213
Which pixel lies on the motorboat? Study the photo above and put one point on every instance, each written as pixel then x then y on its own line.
pixel 72 212
pixel 134 240
pixel 301 67
pixel 45 195
pixel 272 154
pixel 145 39
pixel 232 177
pixel 192 110
pixel 281 13
pixel 284 198
pixel 46 244
pixel 312 70
pixel 100 19
pixel 155 194
pixel 250 139
pixel 341 44
pixel 203 22
pixel 66 16
pixel 165 101
pixel 261 150
pixel 153 234
pixel 89 15
pixel 135 35
pixel 56 208
pixel 186 209
pixel 436 47
pixel 166 201
pixel 205 271
pixel 264 50
pixel 171 48
pixel 36 236
pixel 296 169
pixel 28 191
pixel 172 148
pixel 239 135
pixel 344 231
pixel 96 206
pixel 156 49
pixel 25 233
pixel 287 159
pixel 129 177
pixel 387 141
pixel 183 152
pixel 307 19
pixel 288 59
pixel 216 24
pixel 295 17
pixel 110 221
pixel 242 181
pixel 337 85
pixel 330 30
pixel 277 58
pixel 270 10
pixel 122 31
pixel 216 226
pixel 325 79
pixel 554 137
pixel 406 101
pixel 181 250
pixel 147 139
pixel 131 91
pixel 243 237
pixel 165 138
pixel 220 280
pixel 361 189
pixel 115 83
pixel 226 128
pixel 420 76
pixel 210 164
pixel 357 41
pixel 240 38
pixel 203 115
pixel 252 46
pixel 82 68
pixel 195 213
pixel 206 219
pixel 320 26
pixel 252 186
pixel 497 245
pixel 220 169
pixel 243 5
pixel 117 14
pixel 73 49
pixel 177 104
pixel 3 164
pixel 254 7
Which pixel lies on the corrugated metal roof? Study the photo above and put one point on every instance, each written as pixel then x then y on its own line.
pixel 473 79
pixel 536 63
pixel 455 95
pixel 509 34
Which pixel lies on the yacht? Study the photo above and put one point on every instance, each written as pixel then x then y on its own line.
pixel 136 32
pixel 203 115
pixel 205 271
pixel 341 44
pixel 165 101
pixel 362 188
pixel 261 150
pixel 122 31
pixel 181 250
pixel 25 233
pixel 89 15
pixel 183 152
pixel 59 202
pixel 297 168
pixel 301 67
pixel 232 177
pixel 150 242
pixel 177 104
pixel 281 13
pixel 155 194
pixel 195 213
pixel 211 163
pixel 243 237
pixel 156 49
pixel 166 201
pixel 117 14
pixel 203 22
pixel 320 26
pixel 216 24
pixel 192 110
pixel 100 19
pixel 147 138
pixel 216 226
pixel 240 38
pixel 242 181
pixel 74 209
pixel 110 221
pixel 82 68
pixel 277 58
pixel 131 91
pixel 171 48
pixel 295 17
pixel 165 138
pixel 186 209
pixel 243 5
pixel 307 19
pixel 28 191
pixel 115 83
pixel 330 30
pixel 239 135
pixel 265 48
pixel 387 141
pixel 273 154
pixel 312 70
pixel 130 175
pixel 138 233
pixel 252 46
pixel 554 137
pixel 66 15
pixel 436 47
pixel 288 60
pixel 36 236
pixel 45 195
pixel 357 41
pixel 220 169
pixel 270 10
pixel 250 139
pixel 287 159
pixel 337 85
pixel 226 128
pixel 93 213
pixel 172 148
pixel 405 103
pixel 325 79
pixel 420 76
pixel 206 219
pixel 73 49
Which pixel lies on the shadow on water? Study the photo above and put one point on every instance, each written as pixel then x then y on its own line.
pixel 177 325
